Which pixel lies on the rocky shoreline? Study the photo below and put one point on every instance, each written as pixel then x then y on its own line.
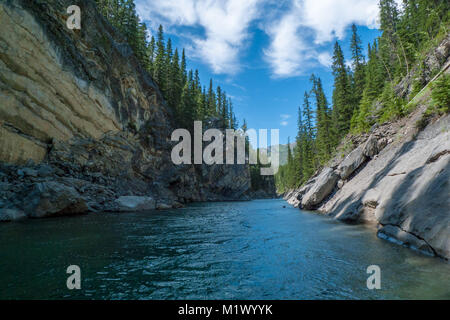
pixel 397 176
pixel 398 180
pixel 44 190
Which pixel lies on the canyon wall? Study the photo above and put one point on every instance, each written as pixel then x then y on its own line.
pixel 396 177
pixel 82 121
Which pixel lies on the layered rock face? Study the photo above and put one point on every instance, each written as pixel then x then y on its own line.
pixel 80 118
pixel 397 178
pixel 404 190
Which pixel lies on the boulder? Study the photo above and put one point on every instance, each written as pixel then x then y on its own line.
pixel 163 206
pixel 371 147
pixel 27 172
pixel 11 215
pixel 134 203
pixel 47 199
pixel 45 171
pixel 381 144
pixel 323 186
pixel 352 162
pixel 295 197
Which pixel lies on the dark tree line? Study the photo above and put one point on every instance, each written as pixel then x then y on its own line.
pixel 181 88
pixel 407 33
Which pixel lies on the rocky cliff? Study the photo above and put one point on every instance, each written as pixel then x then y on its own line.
pixel 82 126
pixel 396 178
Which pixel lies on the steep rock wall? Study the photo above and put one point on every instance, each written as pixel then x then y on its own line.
pixel 77 109
pixel 397 178
pixel 403 189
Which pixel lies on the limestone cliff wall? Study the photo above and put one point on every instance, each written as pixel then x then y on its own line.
pixel 57 84
pixel 77 108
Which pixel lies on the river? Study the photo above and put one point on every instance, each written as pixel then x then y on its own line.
pixel 235 250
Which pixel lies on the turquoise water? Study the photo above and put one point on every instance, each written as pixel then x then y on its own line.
pixel 236 250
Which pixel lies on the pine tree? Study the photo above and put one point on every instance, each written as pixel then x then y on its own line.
pixel 183 68
pixel 175 81
pixel 290 167
pixel 358 64
pixel 211 100
pixel 290 157
pixel 366 92
pixel 374 83
pixel 160 62
pixel 342 102
pixel 308 144
pixel 298 150
pixel 233 121
pixel 167 65
pixel 181 89
pixel 390 42
pixel 219 103
pixel 324 140
pixel 151 49
pixel 225 111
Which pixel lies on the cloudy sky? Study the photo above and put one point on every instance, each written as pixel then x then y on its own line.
pixel 262 52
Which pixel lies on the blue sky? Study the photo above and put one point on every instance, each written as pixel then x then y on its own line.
pixel 262 52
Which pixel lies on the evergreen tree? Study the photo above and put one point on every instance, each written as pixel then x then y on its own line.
pixel 181 89
pixel 299 150
pixel 342 102
pixel 324 140
pixel 151 49
pixel 308 143
pixel 160 62
pixel 211 100
pixel 366 93
pixel 175 80
pixel 183 68
pixel 358 64
pixel 219 102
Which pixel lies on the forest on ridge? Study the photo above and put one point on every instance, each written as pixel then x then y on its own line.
pixel 364 94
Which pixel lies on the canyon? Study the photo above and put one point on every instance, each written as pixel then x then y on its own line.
pixel 83 128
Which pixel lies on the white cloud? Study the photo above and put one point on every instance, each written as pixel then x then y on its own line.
pixel 225 25
pixel 284 118
pixel 325 59
pixel 287 51
pixel 297 36
pixel 330 18
pixel 181 12
pixel 298 29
